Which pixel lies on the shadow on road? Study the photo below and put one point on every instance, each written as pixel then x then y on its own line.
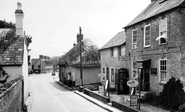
pixel 59 87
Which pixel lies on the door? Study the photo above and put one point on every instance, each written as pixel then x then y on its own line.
pixel 145 76
pixel 123 76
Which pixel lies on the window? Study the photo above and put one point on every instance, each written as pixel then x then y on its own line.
pixel 103 70
pixel 163 70
pixel 162 31
pixel 119 51
pixel 134 39
pixel 111 52
pixel 112 74
pixel 147 36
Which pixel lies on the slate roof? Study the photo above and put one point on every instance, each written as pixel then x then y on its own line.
pixel 72 57
pixel 155 8
pixel 34 61
pixel 13 55
pixel 117 40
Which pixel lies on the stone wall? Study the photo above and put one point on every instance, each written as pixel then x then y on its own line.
pixel 173 50
pixel 11 96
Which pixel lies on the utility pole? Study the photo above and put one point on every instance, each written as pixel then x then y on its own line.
pixel 80 37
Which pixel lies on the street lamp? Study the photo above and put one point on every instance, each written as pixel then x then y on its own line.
pixel 140 66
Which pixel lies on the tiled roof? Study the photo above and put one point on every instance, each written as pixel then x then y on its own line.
pixel 117 40
pixel 155 8
pixel 13 55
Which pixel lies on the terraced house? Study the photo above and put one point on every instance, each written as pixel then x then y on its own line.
pixel 157 40
pixel 113 63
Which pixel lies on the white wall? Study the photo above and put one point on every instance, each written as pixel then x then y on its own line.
pixel 25 71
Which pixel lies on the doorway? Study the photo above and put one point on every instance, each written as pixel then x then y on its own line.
pixel 145 76
pixel 122 78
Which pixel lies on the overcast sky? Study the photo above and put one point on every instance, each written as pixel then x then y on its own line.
pixel 54 24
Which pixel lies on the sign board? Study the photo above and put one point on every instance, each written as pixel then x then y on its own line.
pixel 132 83
pixel 101 89
pixel 154 71
pixel 133 100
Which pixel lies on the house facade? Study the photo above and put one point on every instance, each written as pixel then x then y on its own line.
pixel 42 64
pixel 69 64
pixel 113 62
pixel 14 52
pixel 156 38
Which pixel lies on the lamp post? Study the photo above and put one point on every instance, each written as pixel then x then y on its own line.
pixel 140 66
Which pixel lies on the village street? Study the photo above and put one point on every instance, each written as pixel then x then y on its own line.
pixel 48 96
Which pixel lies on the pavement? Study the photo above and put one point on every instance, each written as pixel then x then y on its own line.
pixel 124 99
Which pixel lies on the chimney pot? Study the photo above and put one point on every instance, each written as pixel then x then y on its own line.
pixel 19 5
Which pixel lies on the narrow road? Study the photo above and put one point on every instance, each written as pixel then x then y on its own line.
pixel 49 96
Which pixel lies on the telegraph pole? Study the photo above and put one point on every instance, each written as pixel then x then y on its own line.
pixel 80 36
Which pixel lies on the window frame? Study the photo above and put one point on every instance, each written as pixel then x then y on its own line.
pixel 119 51
pixel 134 44
pixel 147 36
pixel 164 67
pixel 163 22
pixel 112 75
pixel 112 52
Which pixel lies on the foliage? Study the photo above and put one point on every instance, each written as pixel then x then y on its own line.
pixel 172 95
pixel 149 97
pixel 170 98
pixel 90 54
pixel 4 24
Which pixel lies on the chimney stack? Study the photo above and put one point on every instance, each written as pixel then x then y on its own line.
pixel 19 15
pixel 79 36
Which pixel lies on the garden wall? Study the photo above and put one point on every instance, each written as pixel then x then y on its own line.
pixel 11 96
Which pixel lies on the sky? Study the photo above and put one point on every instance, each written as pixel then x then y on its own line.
pixel 54 24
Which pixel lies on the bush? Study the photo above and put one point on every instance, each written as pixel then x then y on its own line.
pixel 149 97
pixel 172 95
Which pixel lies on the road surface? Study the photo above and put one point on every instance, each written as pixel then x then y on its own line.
pixel 49 96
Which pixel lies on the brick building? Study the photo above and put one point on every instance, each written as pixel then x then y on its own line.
pixel 157 36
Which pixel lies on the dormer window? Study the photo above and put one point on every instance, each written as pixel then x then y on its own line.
pixel 134 39
pixel 162 31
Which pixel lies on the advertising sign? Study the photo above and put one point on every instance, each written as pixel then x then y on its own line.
pixel 133 100
pixel 132 83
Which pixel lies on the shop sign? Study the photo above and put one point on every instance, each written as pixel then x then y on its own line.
pixel 132 83
pixel 154 71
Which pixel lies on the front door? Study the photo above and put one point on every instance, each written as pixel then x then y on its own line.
pixel 145 76
pixel 123 77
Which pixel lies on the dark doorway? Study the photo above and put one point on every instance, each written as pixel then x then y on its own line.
pixel 145 76
pixel 122 79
